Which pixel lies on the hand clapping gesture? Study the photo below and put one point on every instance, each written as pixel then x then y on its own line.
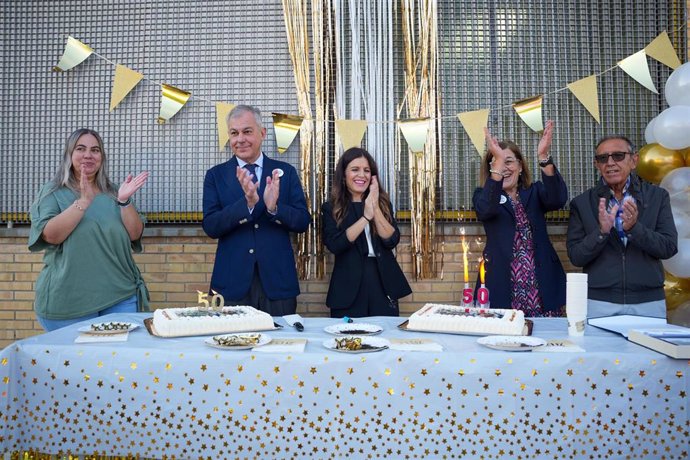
pixel 545 141
pixel 371 204
pixel 272 192
pixel 249 188
pixel 130 186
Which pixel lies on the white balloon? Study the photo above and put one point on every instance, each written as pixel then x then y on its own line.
pixel 672 127
pixel 649 132
pixel 677 183
pixel 682 221
pixel 677 90
pixel 679 265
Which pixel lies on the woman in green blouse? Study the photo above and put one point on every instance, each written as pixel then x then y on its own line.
pixel 88 229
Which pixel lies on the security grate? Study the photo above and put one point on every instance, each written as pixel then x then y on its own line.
pixel 491 53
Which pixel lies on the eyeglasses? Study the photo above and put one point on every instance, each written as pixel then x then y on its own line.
pixel 604 157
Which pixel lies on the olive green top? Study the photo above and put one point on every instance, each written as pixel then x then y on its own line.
pixel 91 270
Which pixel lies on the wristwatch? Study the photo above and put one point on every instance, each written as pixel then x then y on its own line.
pixel 546 162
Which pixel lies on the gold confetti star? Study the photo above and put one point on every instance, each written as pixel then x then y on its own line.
pixel 133 366
pixel 313 370
pixel 423 372
pixel 4 362
pixel 461 373
pixel 66 363
pixel 569 372
pixel 350 370
pixel 534 372
pixel 391 391
pixel 604 372
pixel 316 390
pixel 642 373
pixel 497 372
pixel 276 370
pixel 387 371
pixel 168 366
pixel 240 368
pixel 203 368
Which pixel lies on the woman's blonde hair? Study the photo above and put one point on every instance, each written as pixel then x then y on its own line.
pixel 65 177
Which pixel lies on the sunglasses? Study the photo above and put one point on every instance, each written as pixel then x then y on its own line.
pixel 604 157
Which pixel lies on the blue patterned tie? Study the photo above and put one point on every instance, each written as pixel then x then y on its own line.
pixel 252 169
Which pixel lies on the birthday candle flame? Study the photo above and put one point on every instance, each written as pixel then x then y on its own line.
pixel 465 248
pixel 482 271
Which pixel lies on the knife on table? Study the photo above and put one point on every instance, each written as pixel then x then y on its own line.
pixel 294 320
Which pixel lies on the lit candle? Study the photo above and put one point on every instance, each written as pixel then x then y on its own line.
pixel 467 292
pixel 465 248
pixel 482 292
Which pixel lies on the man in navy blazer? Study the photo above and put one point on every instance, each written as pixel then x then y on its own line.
pixel 251 204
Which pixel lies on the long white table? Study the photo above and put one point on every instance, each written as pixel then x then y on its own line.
pixel 179 398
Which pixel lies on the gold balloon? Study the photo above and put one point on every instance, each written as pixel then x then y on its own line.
pixel 656 161
pixel 686 155
pixel 677 291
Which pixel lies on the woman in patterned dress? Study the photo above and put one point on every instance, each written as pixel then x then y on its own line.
pixel 523 270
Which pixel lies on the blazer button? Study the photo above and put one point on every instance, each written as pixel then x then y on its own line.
pixel 256 225
pixel 251 251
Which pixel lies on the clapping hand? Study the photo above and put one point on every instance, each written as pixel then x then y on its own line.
pixel 131 185
pixel 371 204
pixel 606 219
pixel 545 141
pixel 272 191
pixel 249 187
pixel 87 191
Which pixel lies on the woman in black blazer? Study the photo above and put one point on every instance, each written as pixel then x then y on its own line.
pixel 360 229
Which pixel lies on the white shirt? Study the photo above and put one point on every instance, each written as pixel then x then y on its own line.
pixel 259 166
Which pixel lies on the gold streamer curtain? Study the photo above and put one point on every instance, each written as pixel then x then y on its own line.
pixel 420 48
pixel 314 137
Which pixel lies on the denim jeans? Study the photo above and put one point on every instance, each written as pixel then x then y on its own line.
pixel 126 306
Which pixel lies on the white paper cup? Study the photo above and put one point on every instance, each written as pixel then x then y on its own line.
pixel 576 277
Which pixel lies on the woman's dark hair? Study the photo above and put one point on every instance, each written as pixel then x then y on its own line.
pixel 341 196
pixel 525 179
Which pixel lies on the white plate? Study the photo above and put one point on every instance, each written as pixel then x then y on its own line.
pixel 372 344
pixel 511 342
pixel 88 330
pixel 353 329
pixel 263 340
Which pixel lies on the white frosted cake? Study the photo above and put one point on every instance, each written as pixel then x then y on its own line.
pixel 180 322
pixel 468 320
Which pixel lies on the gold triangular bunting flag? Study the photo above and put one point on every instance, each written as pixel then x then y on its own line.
pixel 350 132
pixel 415 132
pixel 125 80
pixel 286 128
pixel 530 111
pixel 585 90
pixel 636 66
pixel 75 53
pixel 172 100
pixel 474 123
pixel 222 111
pixel 662 50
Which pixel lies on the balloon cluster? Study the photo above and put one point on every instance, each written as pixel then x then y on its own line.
pixel 665 160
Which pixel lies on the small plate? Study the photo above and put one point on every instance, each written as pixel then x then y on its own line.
pixel 369 345
pixel 263 340
pixel 511 342
pixel 88 330
pixel 353 329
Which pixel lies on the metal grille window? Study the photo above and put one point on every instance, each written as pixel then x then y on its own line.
pixel 491 53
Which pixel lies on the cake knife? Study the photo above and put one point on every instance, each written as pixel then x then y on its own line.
pixel 294 320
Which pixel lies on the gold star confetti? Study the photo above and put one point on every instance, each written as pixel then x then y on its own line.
pixel 66 363
pixel 642 373
pixel 679 374
pixel 168 366
pixel 497 372
pixel 387 371
pixel 99 364
pixel 276 370
pixel 203 368
pixel 133 366
pixel 350 370
pixel 240 368
pixel 4 362
pixel 534 372
pixel 423 372
pixel 461 373
pixel 391 391
pixel 604 372
pixel 313 370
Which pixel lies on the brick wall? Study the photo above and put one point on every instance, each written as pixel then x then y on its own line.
pixel 177 262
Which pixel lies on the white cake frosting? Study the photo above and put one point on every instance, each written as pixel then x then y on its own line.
pixel 453 318
pixel 180 322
